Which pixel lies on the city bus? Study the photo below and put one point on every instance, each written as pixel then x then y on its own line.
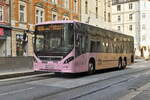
pixel 75 47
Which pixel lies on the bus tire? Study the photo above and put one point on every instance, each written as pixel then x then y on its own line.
pixel 91 66
pixel 120 63
pixel 132 59
pixel 57 73
pixel 124 63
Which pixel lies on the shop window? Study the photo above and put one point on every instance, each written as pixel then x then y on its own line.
pixel 21 44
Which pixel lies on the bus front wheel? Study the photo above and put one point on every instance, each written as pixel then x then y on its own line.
pixel 91 67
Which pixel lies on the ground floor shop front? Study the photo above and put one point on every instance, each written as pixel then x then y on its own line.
pixel 22 42
pixel 5 41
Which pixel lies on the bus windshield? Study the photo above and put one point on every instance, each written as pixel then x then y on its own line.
pixel 54 39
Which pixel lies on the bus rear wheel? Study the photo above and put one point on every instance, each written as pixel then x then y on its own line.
pixel 120 63
pixel 124 63
pixel 91 67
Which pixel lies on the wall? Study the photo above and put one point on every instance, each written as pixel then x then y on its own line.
pixel 11 64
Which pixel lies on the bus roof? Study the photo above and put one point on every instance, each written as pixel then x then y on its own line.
pixel 71 21
pixel 75 21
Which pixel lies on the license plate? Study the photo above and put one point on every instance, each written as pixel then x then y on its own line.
pixel 47 66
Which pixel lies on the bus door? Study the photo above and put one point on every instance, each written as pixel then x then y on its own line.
pixel 80 44
pixel 80 47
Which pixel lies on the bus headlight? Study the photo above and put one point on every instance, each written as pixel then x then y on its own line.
pixel 68 60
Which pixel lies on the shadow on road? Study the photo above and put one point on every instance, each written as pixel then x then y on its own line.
pixel 84 74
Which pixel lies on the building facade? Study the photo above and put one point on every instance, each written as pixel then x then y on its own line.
pixel 27 13
pixel 132 17
pixel 96 12
pixel 5 28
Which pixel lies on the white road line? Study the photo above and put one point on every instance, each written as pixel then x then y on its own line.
pixel 135 93
pixel 17 91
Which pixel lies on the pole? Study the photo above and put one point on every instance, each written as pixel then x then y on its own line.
pixel 10 14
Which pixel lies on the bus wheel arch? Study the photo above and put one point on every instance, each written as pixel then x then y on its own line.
pixel 91 66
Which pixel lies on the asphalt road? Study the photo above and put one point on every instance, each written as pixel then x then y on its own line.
pixel 109 84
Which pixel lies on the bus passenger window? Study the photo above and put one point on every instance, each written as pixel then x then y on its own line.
pixel 98 46
pixel 110 48
pixel 93 46
pixel 83 47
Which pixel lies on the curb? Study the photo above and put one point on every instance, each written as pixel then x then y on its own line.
pixel 18 74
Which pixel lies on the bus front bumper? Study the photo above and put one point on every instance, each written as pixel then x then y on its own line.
pixel 53 68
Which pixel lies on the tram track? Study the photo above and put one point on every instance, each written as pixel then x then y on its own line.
pixel 55 94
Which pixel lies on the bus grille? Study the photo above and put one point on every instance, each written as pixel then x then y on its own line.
pixel 45 59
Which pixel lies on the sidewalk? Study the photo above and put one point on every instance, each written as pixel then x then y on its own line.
pixel 142 93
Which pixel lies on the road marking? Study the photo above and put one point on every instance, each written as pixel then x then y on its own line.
pixel 135 93
pixel 17 91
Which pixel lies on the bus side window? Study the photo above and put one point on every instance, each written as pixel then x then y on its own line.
pixel 104 47
pixel 101 45
pixel 110 47
pixel 115 48
pixel 87 44
pixel 83 44
pixel 92 46
pixel 98 46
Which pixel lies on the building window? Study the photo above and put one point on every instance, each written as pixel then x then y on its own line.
pixel 65 18
pixel 143 15
pixel 22 13
pixel 119 18
pixel 143 26
pixel 76 6
pixel 130 16
pixel 143 37
pixel 109 17
pixel 39 15
pixel 130 27
pixel 54 1
pixel 130 6
pixel 96 3
pixel 21 44
pixel 105 15
pixel 96 12
pixel 1 13
pixel 66 2
pixel 109 3
pixel 54 16
pixel 119 28
pixel 86 7
pixel 118 7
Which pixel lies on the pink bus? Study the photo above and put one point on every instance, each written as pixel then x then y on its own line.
pixel 74 47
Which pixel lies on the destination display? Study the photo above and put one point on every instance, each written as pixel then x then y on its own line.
pixel 50 27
